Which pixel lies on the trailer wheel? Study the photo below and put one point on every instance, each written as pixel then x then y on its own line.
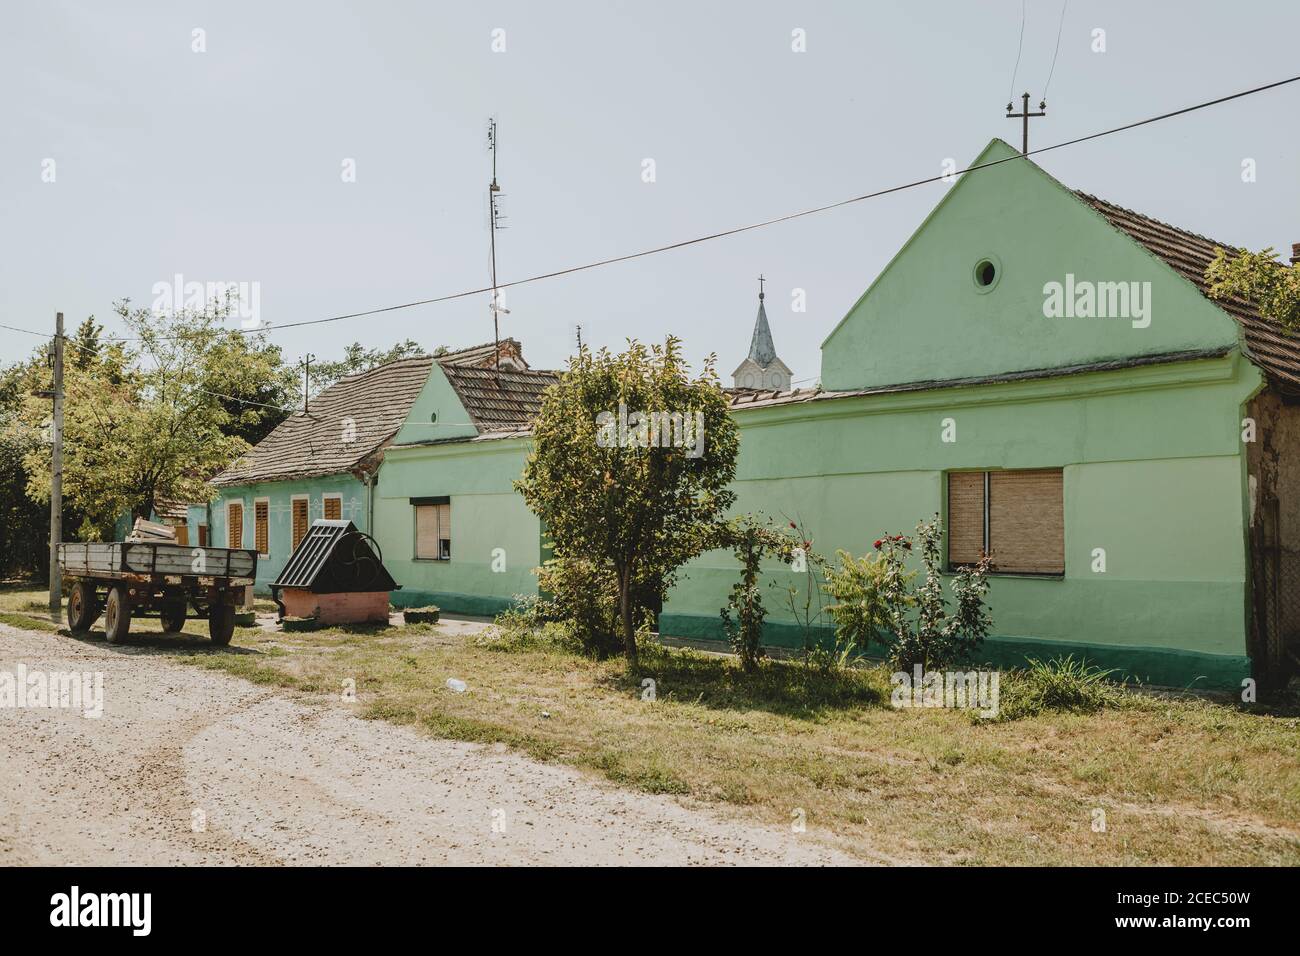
pixel 82 609
pixel 173 616
pixel 221 624
pixel 117 615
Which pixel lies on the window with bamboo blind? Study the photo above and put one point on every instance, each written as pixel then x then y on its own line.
pixel 261 530
pixel 333 507
pixel 433 529
pixel 234 524
pixel 299 521
pixel 1017 517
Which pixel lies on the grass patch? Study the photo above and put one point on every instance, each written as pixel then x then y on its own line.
pixel 1183 780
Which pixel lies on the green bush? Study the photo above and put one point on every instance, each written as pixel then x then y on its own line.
pixel 1061 684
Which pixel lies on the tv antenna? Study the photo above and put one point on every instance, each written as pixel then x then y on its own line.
pixel 494 223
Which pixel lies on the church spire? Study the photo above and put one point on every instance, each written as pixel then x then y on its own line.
pixel 762 368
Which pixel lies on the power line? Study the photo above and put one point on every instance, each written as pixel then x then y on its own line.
pixel 1019 48
pixel 943 177
pixel 1060 26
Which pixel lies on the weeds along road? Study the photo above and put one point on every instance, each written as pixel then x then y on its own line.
pixel 188 766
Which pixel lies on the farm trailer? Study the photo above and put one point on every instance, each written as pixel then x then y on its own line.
pixel 124 579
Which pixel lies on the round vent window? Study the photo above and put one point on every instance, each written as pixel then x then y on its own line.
pixel 987 273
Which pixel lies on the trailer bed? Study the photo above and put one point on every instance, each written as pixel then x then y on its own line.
pixel 130 560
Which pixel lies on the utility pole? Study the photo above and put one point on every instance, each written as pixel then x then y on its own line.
pixel 56 471
pixel 1024 115
pixel 306 379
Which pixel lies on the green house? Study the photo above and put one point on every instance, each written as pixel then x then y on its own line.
pixel 329 461
pixel 1045 370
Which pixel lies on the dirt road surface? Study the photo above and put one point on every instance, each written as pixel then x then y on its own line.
pixel 187 766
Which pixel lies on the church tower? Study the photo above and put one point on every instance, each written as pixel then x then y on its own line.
pixel 762 369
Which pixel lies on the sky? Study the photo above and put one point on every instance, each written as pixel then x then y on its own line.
pixel 129 156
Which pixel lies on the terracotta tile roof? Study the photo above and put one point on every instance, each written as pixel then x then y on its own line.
pixel 496 401
pixel 312 444
pixel 485 354
pixel 1188 253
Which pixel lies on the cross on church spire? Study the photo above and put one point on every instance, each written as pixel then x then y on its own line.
pixel 760 287
pixel 1024 115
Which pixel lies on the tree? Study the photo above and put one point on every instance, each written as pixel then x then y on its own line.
pixel 1258 277
pixel 630 467
pixel 24 524
pixel 153 416
pixel 358 358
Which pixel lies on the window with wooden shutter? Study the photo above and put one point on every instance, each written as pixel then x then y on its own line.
pixel 261 534
pixel 235 524
pixel 203 536
pixel 433 530
pixel 333 507
pixel 1016 517
pixel 299 521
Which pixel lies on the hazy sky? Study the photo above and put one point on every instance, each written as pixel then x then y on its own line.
pixel 227 164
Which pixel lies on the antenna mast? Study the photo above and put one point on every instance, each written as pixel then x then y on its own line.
pixel 493 191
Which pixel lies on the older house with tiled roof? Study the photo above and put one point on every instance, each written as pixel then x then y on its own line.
pixel 1046 371
pixel 330 460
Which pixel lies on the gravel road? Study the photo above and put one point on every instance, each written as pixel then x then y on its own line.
pixel 187 766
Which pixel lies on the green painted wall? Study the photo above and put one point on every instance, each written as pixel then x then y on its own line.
pixel 486 515
pixel 280 527
pixel 924 320
pixel 1153 473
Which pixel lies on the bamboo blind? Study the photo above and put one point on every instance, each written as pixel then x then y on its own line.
pixel 965 517
pixel 1027 521
pixel 432 527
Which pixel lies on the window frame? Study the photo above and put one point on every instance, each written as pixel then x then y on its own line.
pixel 429 502
pixel 951 567
pixel 243 510
pixel 327 496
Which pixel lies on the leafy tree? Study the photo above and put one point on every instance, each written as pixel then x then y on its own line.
pixel 1260 278
pixel 607 479
pixel 24 524
pixel 358 358
pixel 145 418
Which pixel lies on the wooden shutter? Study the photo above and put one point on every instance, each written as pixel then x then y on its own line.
pixel 299 521
pixel 426 531
pixel 183 535
pixel 965 517
pixel 260 534
pixel 1027 521
pixel 333 508
pixel 203 536
pixel 235 525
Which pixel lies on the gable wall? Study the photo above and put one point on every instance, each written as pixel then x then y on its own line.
pixel 925 318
